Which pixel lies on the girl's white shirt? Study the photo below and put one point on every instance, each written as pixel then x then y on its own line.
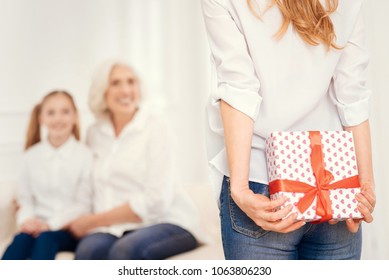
pixel 137 168
pixel 55 183
pixel 282 85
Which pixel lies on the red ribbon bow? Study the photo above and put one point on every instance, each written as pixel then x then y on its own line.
pixel 323 183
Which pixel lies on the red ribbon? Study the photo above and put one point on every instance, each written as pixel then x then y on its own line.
pixel 323 183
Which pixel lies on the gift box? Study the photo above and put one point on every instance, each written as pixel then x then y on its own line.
pixel 317 171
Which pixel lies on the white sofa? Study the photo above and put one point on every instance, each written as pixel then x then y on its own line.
pixel 202 196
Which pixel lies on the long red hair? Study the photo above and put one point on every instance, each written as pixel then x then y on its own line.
pixel 309 18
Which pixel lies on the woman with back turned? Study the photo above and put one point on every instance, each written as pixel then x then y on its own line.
pixel 291 65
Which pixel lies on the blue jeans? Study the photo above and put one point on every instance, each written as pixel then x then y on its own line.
pixel 243 239
pixel 156 242
pixel 43 247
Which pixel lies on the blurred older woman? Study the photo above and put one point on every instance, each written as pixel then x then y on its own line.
pixel 138 213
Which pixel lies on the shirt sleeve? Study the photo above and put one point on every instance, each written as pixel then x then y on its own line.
pixel 237 82
pixel 349 80
pixel 152 203
pixel 25 197
pixel 82 202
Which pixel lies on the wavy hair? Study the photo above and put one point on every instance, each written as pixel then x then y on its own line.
pixel 309 18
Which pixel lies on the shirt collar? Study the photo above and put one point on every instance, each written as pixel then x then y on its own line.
pixel 138 123
pixel 63 151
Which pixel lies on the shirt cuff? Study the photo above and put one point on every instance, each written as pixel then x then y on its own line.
pixel 245 101
pixel 354 113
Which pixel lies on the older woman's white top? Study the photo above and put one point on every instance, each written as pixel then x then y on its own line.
pixel 283 85
pixel 136 168
pixel 55 183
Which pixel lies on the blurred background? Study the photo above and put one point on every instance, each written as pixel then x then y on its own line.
pixel 46 44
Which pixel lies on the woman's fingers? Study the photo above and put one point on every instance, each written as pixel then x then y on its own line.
pixel 367 201
pixel 277 215
pixel 280 221
pixel 353 225
pixel 273 204
pixel 261 210
pixel 285 225
pixel 367 190
pixel 294 226
pixel 370 196
pixel 332 222
pixel 362 199
pixel 365 211
pixel 280 226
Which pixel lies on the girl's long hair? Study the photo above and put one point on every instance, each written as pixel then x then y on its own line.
pixel 33 131
pixel 309 18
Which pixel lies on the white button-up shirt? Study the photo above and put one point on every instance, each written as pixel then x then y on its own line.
pixel 285 84
pixel 55 183
pixel 136 168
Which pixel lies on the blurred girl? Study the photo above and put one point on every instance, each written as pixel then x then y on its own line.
pixel 55 181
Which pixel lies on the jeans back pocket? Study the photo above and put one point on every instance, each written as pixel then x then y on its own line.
pixel 240 222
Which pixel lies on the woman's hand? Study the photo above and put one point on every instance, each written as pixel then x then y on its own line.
pixel 367 201
pixel 121 214
pixel 260 209
pixel 238 134
pixel 81 226
pixel 34 227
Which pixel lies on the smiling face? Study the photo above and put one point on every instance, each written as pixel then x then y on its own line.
pixel 58 115
pixel 122 94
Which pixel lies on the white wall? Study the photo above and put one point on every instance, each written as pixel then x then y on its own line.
pixel 166 41
pixel 376 241
pixel 47 44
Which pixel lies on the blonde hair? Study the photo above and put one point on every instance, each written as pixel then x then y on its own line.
pixel 308 17
pixel 33 131
pixel 99 86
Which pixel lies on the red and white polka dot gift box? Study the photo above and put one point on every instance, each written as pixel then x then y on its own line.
pixel 317 171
